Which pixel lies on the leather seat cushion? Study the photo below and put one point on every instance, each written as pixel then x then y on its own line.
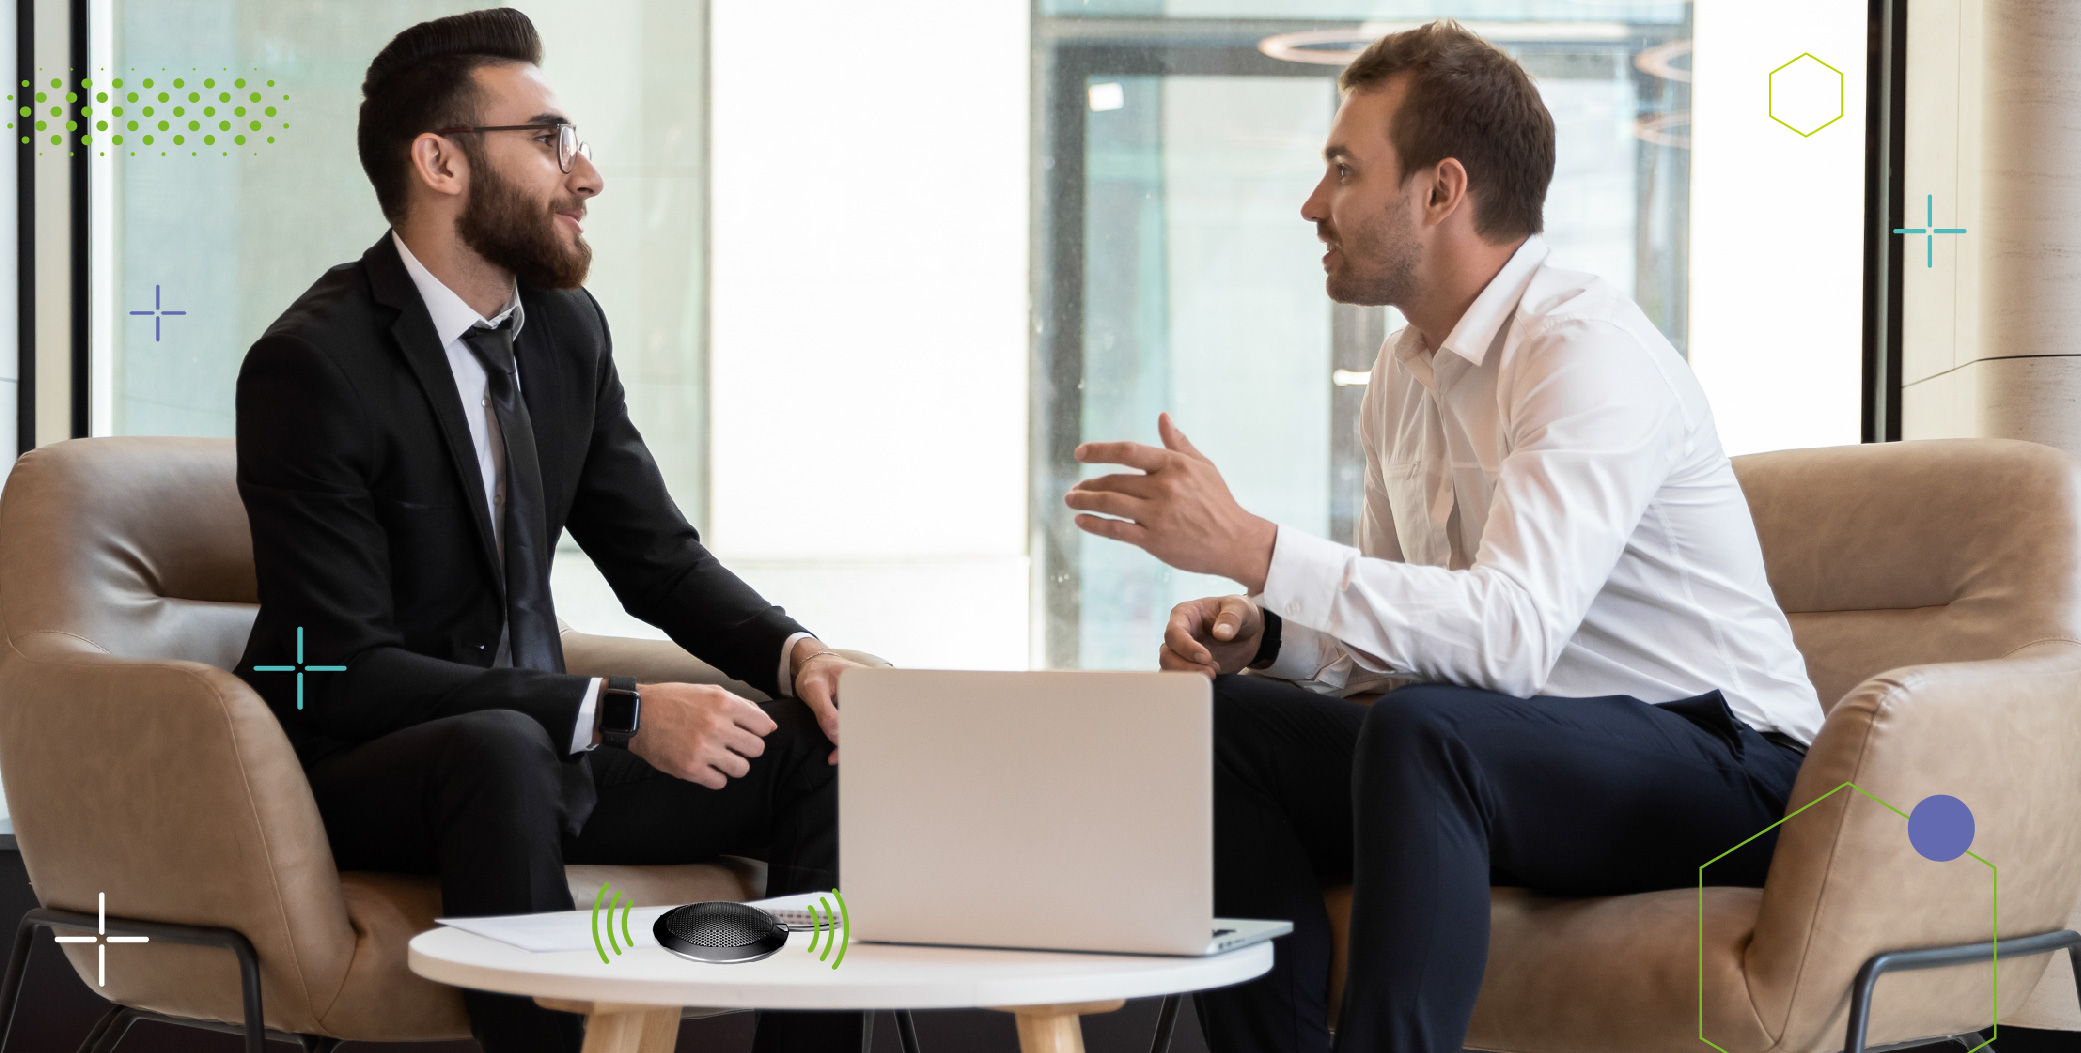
pixel 1602 973
pixel 384 1001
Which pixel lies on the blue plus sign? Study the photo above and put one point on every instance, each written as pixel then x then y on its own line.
pixel 156 313
pixel 299 668
pixel 1929 230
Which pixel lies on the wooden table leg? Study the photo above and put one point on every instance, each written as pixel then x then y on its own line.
pixel 616 1028
pixel 1053 1028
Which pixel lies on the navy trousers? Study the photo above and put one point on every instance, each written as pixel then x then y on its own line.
pixel 1425 799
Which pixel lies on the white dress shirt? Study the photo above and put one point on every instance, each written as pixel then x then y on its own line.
pixel 1548 512
pixel 452 318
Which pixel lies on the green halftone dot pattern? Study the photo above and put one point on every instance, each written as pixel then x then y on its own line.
pixel 86 111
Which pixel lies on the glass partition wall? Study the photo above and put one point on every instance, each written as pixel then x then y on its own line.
pixel 1176 143
pixel 225 182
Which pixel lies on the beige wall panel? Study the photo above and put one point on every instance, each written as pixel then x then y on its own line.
pixel 1940 407
pixel 1929 295
pixel 2030 215
pixel 2038 399
pixel 1994 142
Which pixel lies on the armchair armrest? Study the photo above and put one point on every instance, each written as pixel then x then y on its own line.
pixel 659 661
pixel 169 786
pixel 1846 883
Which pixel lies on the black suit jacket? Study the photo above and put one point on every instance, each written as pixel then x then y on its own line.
pixel 371 532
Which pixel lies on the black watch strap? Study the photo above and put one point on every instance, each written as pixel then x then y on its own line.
pixel 1267 644
pixel 620 711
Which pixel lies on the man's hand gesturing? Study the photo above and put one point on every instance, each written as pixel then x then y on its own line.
pixel 700 733
pixel 1219 634
pixel 1178 509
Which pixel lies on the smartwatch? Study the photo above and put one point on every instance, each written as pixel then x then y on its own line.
pixel 621 711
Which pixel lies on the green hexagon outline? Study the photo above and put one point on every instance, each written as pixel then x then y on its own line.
pixel 1770 94
pixel 1993 1033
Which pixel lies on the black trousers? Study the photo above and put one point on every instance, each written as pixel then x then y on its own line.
pixel 1425 799
pixel 477 800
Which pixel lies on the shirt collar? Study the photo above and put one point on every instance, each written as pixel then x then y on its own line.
pixel 452 317
pixel 1470 339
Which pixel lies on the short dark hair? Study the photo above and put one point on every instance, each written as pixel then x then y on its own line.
pixel 1467 100
pixel 422 80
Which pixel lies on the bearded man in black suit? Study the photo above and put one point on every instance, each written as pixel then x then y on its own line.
pixel 414 434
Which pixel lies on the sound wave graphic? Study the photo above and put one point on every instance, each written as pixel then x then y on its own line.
pixel 625 937
pixel 834 927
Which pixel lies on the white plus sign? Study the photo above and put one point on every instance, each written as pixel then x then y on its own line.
pixel 101 912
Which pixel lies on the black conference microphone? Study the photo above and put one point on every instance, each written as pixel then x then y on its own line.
pixel 720 932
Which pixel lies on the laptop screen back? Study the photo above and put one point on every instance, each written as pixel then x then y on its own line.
pixel 1065 811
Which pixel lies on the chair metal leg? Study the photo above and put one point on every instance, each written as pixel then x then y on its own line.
pixel 318 1043
pixel 907 1030
pixel 1166 1023
pixel 2074 959
pixel 867 1032
pixel 11 985
pixel 255 1029
pixel 1938 957
pixel 97 1036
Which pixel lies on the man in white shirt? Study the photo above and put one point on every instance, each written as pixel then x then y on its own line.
pixel 1554 555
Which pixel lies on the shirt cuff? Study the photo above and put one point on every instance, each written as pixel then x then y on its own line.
pixel 1307 575
pixel 786 677
pixel 582 732
pixel 1303 654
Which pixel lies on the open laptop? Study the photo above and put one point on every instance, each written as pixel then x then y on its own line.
pixel 1057 811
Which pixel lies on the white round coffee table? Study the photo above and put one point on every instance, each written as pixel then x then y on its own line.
pixel 634 1000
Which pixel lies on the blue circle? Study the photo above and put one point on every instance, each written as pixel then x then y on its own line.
pixel 1941 827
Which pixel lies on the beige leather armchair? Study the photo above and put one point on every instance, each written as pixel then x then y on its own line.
pixel 137 766
pixel 1935 590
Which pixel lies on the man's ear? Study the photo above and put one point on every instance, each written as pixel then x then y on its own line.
pixel 1448 190
pixel 439 165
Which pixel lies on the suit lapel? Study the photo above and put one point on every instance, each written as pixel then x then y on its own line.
pixel 413 330
pixel 541 386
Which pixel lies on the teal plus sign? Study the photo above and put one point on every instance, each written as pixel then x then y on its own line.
pixel 299 668
pixel 1929 230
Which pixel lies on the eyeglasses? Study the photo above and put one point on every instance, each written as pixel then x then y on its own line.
pixel 567 145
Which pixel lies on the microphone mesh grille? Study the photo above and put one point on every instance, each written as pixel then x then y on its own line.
pixel 719 924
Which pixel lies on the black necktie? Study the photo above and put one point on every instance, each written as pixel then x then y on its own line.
pixel 531 634
pixel 530 615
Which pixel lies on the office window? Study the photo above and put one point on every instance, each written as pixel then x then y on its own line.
pixel 1180 275
pixel 205 227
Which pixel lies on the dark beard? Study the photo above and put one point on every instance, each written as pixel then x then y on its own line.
pixel 513 231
